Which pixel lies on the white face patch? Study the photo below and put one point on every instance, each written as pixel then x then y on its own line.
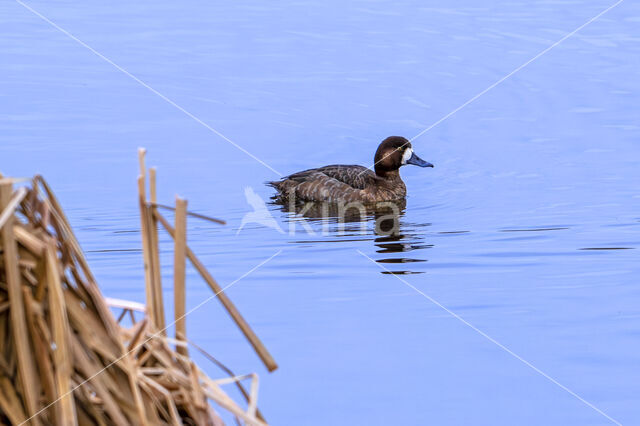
pixel 407 154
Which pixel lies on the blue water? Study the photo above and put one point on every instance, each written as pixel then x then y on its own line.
pixel 528 177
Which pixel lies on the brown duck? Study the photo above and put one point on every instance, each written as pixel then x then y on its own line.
pixel 340 183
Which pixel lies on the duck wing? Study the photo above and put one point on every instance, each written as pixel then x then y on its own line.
pixel 352 175
pixel 329 183
pixel 318 186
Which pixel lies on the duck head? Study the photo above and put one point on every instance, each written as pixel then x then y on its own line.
pixel 393 153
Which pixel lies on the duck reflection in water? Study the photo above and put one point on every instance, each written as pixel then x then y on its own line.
pixel 391 234
pixel 391 238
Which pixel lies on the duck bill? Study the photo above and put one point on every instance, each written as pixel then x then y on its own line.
pixel 417 161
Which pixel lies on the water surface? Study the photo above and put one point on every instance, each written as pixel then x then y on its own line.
pixel 528 228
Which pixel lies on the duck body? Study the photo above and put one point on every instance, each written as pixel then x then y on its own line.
pixel 340 183
pixel 354 183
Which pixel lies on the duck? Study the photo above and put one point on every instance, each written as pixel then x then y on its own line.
pixel 353 183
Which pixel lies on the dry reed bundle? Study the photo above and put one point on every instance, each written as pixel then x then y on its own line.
pixel 66 359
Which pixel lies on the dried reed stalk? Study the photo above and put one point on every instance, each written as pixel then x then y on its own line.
pixel 60 333
pixel 146 249
pixel 155 253
pixel 26 368
pixel 258 346
pixel 179 273
pixel 64 359
pixel 192 214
